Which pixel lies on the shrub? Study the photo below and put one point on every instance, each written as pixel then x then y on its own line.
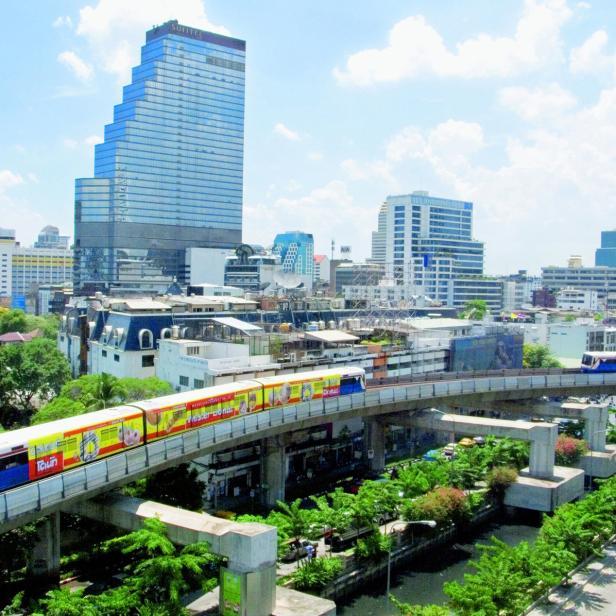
pixel 443 505
pixel 316 573
pixel 500 478
pixel 569 450
pixel 373 547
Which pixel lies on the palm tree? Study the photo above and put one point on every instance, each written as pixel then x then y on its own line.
pixel 295 518
pixel 107 391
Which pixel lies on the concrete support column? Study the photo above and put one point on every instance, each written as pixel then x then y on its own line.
pixel 274 471
pixel 45 556
pixel 374 445
pixel 542 446
pixel 596 418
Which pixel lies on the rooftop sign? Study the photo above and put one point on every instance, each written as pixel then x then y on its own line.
pixel 173 27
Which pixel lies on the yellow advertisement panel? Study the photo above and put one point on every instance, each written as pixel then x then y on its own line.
pixel 301 390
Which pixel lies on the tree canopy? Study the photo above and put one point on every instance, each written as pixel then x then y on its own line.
pixel 15 320
pixel 29 372
pixel 92 392
pixel 539 356
pixel 474 309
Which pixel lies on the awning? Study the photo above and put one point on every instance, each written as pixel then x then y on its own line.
pixel 250 329
pixel 334 336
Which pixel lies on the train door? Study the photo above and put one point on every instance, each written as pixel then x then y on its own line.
pixel 13 467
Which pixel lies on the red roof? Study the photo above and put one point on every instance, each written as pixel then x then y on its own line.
pixel 14 337
pixel 319 258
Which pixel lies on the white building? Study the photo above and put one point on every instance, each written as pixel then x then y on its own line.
pixel 206 265
pixel 577 299
pixel 321 268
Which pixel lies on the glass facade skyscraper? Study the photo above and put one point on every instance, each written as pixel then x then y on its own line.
pixel 169 173
pixel 606 255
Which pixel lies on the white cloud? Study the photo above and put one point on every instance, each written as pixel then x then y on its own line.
pixel 33 177
pixel 69 143
pixel 325 211
pixel 8 180
pixel 315 156
pixel 15 213
pixel 368 171
pixel 583 5
pixel 80 68
pixel 541 103
pixel 287 133
pixel 93 140
pixel 115 29
pixel 546 195
pixel 62 21
pixel 591 57
pixel 416 48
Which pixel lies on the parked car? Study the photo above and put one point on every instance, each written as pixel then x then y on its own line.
pixel 297 550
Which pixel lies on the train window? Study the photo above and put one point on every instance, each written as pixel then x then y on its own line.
pixel 587 360
pixel 17 459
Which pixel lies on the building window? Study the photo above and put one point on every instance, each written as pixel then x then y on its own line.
pixel 146 339
pixel 199 383
pixel 116 357
pixel 184 381
pixel 104 353
pixel 192 350
pixel 147 361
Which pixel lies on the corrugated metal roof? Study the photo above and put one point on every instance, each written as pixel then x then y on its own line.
pixel 248 328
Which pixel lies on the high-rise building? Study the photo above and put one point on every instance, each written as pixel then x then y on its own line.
pixel 169 173
pixel 296 251
pixel 379 237
pixel 50 237
pixel 23 269
pixel 606 255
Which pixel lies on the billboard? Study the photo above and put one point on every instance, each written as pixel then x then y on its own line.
pixel 491 352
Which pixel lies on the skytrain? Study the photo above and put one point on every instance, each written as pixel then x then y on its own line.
pixel 598 362
pixel 36 452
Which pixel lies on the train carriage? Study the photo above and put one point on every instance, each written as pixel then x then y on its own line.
pixel 45 449
pixel 598 362
pixel 192 409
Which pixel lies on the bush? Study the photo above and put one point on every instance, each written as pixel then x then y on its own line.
pixel 373 547
pixel 569 450
pixel 500 478
pixel 443 505
pixel 316 573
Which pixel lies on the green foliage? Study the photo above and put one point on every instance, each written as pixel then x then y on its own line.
pixel 18 321
pixel 30 371
pixel 406 609
pixel 294 518
pixel 316 573
pixel 92 392
pixel 15 547
pixel 64 602
pixel 374 547
pixel 178 486
pixel 443 505
pixel 569 450
pixel 474 309
pixel 500 478
pixel 13 321
pixel 507 579
pixel 539 356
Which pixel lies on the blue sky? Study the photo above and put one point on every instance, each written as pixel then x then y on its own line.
pixel 509 104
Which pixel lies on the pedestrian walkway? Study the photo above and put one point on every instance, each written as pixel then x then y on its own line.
pixel 592 592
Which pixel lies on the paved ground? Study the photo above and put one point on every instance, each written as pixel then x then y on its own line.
pixel 592 593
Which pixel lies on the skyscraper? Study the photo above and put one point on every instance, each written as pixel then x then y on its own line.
pixel 296 251
pixel 169 173
pixel 606 255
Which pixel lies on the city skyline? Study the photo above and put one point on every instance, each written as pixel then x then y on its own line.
pixel 343 111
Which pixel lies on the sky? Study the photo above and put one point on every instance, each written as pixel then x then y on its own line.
pixel 509 104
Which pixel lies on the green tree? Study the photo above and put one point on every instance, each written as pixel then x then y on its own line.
pixel 15 548
pixel 58 408
pixel 539 356
pixel 29 373
pixel 12 321
pixel 178 486
pixel 144 389
pixel 294 518
pixel 108 391
pixel 474 309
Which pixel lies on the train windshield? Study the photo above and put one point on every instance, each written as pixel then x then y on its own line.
pixel 586 359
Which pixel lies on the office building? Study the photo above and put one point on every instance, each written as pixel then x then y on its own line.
pixel 251 269
pixel 23 269
pixel 50 237
pixel 599 278
pixel 169 173
pixel 321 268
pixel 379 237
pixel 296 252
pixel 606 255
pixel 577 299
pixel 358 274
